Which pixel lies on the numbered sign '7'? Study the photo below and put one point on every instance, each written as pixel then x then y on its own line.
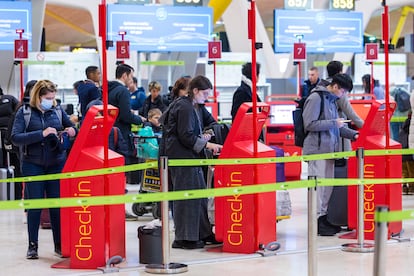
pixel 299 51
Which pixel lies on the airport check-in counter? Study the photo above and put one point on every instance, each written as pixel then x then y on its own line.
pixel 92 234
pixel 245 222
pixel 280 131
pixel 372 136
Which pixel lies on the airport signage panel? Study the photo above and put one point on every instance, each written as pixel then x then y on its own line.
pixel 323 31
pixel 298 4
pixel 342 5
pixel 139 2
pixel 13 16
pixel 161 28
pixel 188 2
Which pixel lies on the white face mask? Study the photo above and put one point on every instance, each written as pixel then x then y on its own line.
pixel 46 104
pixel 201 96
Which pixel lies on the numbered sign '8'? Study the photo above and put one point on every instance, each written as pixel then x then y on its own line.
pixel 21 49
pixel 371 51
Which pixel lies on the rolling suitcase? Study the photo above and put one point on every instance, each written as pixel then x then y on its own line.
pixel 283 202
pixel 338 202
pixel 6 188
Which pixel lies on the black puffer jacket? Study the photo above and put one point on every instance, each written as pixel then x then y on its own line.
pixel 119 96
pixel 157 103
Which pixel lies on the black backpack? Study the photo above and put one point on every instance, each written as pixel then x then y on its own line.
pixel 27 113
pixel 299 128
pixel 402 98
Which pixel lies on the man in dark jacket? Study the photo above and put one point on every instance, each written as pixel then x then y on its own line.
pixel 244 92
pixel 89 89
pixel 119 96
pixel 311 82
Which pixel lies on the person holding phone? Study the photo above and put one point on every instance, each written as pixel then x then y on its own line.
pixel 42 153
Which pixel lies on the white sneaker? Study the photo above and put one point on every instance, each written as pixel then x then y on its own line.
pixel 24 219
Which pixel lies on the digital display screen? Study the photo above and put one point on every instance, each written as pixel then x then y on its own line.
pixel 161 28
pixel 13 16
pixel 321 31
pixel 281 114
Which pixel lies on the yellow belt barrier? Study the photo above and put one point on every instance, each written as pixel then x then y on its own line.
pixel 192 194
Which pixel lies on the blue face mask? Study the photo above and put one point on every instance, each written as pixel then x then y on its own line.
pixel 46 104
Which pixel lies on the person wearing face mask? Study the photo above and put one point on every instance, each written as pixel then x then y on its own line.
pixel 183 138
pixel 41 155
pixel 324 129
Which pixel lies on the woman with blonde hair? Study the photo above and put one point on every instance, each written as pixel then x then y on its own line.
pixel 38 129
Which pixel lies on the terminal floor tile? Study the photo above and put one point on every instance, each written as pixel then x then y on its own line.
pixel 291 258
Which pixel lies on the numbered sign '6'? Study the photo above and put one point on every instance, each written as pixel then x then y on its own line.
pixel 122 49
pixel 214 49
pixel 299 51
pixel 21 49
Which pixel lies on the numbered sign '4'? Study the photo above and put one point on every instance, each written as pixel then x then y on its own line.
pixel 299 51
pixel 21 49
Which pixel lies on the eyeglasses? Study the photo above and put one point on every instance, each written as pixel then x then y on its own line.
pixel 206 92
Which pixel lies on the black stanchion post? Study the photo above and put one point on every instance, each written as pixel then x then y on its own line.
pixel 381 232
pixel 312 229
pixel 166 267
pixel 360 246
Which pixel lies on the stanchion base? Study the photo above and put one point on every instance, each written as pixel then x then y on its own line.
pixel 171 268
pixel 358 247
pixel 349 235
pixel 65 264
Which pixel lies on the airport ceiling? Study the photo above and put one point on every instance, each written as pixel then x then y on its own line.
pixel 71 26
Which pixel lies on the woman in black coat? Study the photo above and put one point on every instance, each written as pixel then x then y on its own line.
pixel 244 92
pixel 183 139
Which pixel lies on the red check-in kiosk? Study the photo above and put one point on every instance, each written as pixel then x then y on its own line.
pixel 280 131
pixel 244 222
pixel 371 137
pixel 92 234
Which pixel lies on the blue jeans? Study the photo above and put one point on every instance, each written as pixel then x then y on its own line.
pixel 395 130
pixel 38 190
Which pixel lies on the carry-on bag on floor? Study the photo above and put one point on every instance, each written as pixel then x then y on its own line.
pixel 7 188
pixel 283 202
pixel 338 203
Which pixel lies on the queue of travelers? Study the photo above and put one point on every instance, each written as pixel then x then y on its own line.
pixel 180 124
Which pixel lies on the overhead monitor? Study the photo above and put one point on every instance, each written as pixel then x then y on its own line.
pixel 322 31
pixel 281 114
pixel 161 28
pixel 13 16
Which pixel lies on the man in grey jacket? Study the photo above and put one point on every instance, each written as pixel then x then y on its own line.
pixel 324 131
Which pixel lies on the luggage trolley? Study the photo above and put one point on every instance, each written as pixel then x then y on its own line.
pixel 146 145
